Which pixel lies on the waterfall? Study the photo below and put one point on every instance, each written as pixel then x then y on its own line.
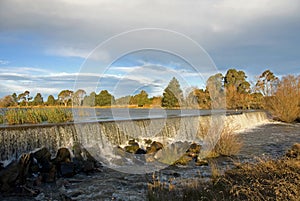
pixel 15 140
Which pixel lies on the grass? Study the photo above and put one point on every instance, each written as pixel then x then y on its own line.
pixel 228 143
pixel 36 115
pixel 1 119
pixel 265 180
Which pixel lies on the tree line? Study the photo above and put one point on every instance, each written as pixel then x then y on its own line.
pixel 231 91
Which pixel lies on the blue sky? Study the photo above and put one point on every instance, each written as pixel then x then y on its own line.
pixel 46 45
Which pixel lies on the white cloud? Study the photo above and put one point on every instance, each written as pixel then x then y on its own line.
pixel 4 62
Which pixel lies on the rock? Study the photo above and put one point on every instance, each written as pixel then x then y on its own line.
pixel 42 155
pixel 132 148
pixel 294 152
pixel 184 160
pixel 15 173
pixel 201 163
pixel 88 166
pixel 83 160
pixel 44 165
pixel 1 166
pixel 49 174
pixel 148 141
pixel 131 142
pixel 67 169
pixel 140 151
pixel 194 148
pixel 63 155
pixel 40 197
pixel 154 147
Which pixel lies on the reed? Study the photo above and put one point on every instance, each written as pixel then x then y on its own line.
pixel 1 119
pixel 36 116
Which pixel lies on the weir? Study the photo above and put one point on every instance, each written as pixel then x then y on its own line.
pixel 15 140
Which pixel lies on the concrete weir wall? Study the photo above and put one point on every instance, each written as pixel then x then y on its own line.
pixel 15 140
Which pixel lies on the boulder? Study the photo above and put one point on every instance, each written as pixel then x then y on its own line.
pixel 67 169
pixel 183 160
pixel 154 147
pixel 140 151
pixel 83 160
pixel 42 155
pixel 132 148
pixel 63 155
pixel 15 173
pixel 194 150
pixel 43 163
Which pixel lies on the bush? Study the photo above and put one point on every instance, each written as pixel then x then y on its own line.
pixel 285 104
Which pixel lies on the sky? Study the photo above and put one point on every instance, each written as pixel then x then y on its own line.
pixel 127 46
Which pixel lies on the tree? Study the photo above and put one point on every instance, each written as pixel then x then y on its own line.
pixel 38 100
pixel 140 99
pixel 238 80
pixel 123 100
pixel 215 87
pixel 65 96
pixel 198 98
pixel 104 98
pixel 266 83
pixel 90 100
pixel 15 97
pixel 24 97
pixel 172 96
pixel 78 97
pixel 51 100
pixel 7 101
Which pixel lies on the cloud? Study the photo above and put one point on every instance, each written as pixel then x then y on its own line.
pixel 119 80
pixel 250 34
pixel 4 62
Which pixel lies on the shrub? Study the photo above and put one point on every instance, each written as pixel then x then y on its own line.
pixel 285 103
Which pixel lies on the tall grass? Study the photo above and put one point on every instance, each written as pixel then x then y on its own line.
pixel 36 115
pixel 227 143
pixel 266 180
pixel 1 118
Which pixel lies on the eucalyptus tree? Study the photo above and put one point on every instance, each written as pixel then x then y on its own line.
pixel 65 96
pixel 266 83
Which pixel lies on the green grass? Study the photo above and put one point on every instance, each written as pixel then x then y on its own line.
pixel 36 116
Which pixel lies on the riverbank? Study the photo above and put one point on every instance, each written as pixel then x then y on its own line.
pixel 266 180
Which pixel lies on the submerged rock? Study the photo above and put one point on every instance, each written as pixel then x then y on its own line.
pixel 132 148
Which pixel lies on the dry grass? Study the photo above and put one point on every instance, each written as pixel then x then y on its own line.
pixel 227 143
pixel 266 180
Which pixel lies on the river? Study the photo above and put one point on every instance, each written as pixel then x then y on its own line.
pixel 270 140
